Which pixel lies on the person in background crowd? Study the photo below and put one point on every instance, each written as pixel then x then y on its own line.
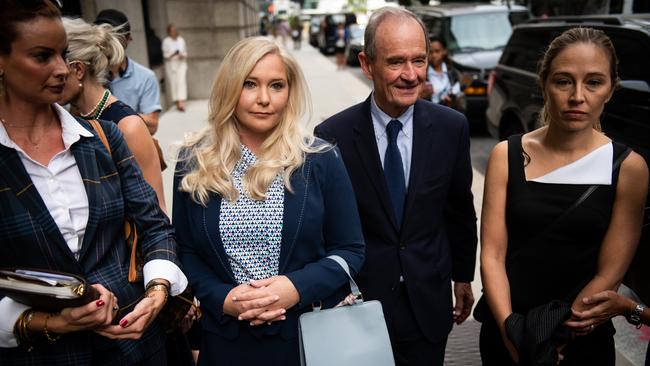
pixel 264 25
pixel 442 79
pixel 92 51
pixel 546 234
pixel 175 54
pixel 132 83
pixel 339 46
pixel 275 203
pixel 64 200
pixel 410 168
pixel 296 31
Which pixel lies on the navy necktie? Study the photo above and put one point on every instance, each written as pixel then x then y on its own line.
pixel 394 170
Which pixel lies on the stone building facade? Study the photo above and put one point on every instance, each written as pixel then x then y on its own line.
pixel 210 28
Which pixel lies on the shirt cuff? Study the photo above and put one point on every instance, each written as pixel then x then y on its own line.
pixel 167 270
pixel 10 311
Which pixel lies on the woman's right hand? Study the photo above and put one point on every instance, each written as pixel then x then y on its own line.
pixel 234 308
pixel 514 354
pixel 95 314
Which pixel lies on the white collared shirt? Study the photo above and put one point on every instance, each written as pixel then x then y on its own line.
pixel 404 138
pixel 62 190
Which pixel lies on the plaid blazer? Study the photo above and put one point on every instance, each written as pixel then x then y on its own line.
pixel 29 237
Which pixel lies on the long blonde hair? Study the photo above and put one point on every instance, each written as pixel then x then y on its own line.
pixel 211 154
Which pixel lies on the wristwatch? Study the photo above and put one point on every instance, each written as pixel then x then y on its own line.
pixel 635 317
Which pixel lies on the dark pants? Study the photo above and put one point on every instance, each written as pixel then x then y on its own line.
pixel 595 349
pixel 410 346
pixel 647 356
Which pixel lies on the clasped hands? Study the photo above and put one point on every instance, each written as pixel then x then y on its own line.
pixel 262 301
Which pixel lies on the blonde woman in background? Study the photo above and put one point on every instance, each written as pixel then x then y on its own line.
pixel 92 51
pixel 258 206
pixel 175 55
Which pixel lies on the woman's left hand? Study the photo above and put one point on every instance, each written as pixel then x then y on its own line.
pixel 601 307
pixel 133 324
pixel 276 285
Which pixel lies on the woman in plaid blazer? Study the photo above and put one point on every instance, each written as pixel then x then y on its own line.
pixel 63 201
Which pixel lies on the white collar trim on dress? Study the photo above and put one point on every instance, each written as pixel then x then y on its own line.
pixel 593 168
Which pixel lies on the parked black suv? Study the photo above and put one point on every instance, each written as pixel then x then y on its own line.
pixel 475 35
pixel 515 97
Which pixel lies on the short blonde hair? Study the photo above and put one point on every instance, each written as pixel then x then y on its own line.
pixel 212 154
pixel 97 46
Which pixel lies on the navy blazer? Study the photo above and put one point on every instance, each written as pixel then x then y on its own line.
pixel 437 240
pixel 320 219
pixel 30 238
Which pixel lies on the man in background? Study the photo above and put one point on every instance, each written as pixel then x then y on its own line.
pixel 133 83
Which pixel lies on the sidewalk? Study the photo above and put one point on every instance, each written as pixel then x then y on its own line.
pixel 331 92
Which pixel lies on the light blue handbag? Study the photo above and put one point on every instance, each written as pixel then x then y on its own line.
pixel 346 335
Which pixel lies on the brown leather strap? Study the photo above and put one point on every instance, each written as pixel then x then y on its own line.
pixel 100 133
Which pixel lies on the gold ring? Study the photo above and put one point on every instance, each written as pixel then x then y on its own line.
pixel 592 327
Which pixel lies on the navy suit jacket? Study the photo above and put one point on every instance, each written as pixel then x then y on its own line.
pixel 320 219
pixel 438 235
pixel 30 238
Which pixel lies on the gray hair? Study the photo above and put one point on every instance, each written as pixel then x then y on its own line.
pixel 378 17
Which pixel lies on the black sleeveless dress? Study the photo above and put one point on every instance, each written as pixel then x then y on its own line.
pixel 116 111
pixel 547 262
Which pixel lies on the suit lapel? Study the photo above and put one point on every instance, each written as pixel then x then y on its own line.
pixel 422 138
pixel 21 184
pixel 365 142
pixel 294 204
pixel 84 153
pixel 211 231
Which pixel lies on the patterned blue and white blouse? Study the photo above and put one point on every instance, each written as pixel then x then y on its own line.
pixel 251 231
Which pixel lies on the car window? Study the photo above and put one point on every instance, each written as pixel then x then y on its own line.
pixel 526 48
pixel 485 31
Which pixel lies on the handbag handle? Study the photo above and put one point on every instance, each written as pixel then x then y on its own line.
pixel 358 297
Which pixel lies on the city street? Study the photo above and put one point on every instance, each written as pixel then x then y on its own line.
pixel 333 91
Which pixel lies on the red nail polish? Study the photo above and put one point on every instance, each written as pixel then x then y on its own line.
pixel 123 323
pixel 99 303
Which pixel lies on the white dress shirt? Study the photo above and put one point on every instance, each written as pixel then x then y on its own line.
pixel 61 187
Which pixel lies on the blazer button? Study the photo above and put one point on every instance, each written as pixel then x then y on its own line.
pixel 402 246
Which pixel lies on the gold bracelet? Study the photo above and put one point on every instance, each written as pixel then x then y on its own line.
pixel 46 332
pixel 20 328
pixel 157 287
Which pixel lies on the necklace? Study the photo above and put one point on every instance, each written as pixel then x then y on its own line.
pixel 99 108
pixel 35 144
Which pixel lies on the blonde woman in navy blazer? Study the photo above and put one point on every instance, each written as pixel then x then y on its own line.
pixel 258 206
pixel 63 200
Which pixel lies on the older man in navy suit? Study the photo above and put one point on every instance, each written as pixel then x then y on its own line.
pixel 409 163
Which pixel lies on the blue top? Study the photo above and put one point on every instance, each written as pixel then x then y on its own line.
pixel 251 230
pixel 138 88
